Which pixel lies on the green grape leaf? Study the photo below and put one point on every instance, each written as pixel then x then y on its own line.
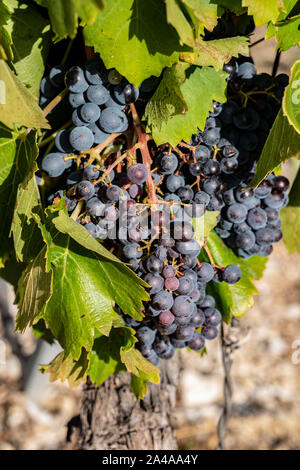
pixel 217 52
pixel 31 38
pixel 64 368
pixel 177 18
pixel 264 11
pixel 283 142
pixel 85 287
pixel 4 13
pixel 134 37
pixel 17 156
pixel 204 225
pixel 6 52
pixel 291 99
pixel 105 359
pixel 203 14
pixel 233 5
pixel 88 10
pixel 20 106
pixel 65 224
pixel 237 298
pixel 34 291
pixel 290 217
pixel 27 236
pixel 168 99
pixel 63 16
pixel 142 371
pixel 200 88
pixel 288 34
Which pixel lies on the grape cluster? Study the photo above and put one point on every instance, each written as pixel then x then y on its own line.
pixel 249 220
pixel 140 200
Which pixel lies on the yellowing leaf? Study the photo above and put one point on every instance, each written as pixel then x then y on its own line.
pixel 20 106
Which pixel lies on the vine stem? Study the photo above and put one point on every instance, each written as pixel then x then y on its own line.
pixel 276 63
pixel 66 54
pixel 55 102
pixel 147 160
pixel 257 42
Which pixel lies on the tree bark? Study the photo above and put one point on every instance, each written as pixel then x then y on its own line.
pixel 111 418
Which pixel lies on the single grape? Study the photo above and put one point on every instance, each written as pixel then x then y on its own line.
pixel 75 80
pixel 184 333
pixel 132 250
pixel 111 213
pixel 246 70
pixel 197 319
pixel 95 207
pixel 113 120
pixel 125 93
pixel 174 182
pixel 113 193
pixel 210 332
pixel 231 274
pixel 264 236
pixel 208 301
pixel 145 335
pixel 197 342
pixel 245 240
pixel 81 138
pixel 237 213
pixel 183 306
pixel 91 172
pixel 137 173
pixel 97 94
pixel 172 284
pixel 54 164
pixel 205 272
pixel 167 163
pixel 154 265
pixel 76 99
pixel 190 247
pixel 257 218
pixel 85 190
pixel 281 183
pixel 163 300
pixel 166 318
pixel 202 154
pixel 92 229
pixel 114 77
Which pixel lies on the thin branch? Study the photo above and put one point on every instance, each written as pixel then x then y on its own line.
pixel 55 102
pixel 147 160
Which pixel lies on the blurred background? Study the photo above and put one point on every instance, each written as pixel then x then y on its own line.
pixel 265 375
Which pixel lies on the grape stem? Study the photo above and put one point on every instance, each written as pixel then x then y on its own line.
pixel 58 98
pixel 104 144
pixel 147 160
pixel 214 265
pixel 66 54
